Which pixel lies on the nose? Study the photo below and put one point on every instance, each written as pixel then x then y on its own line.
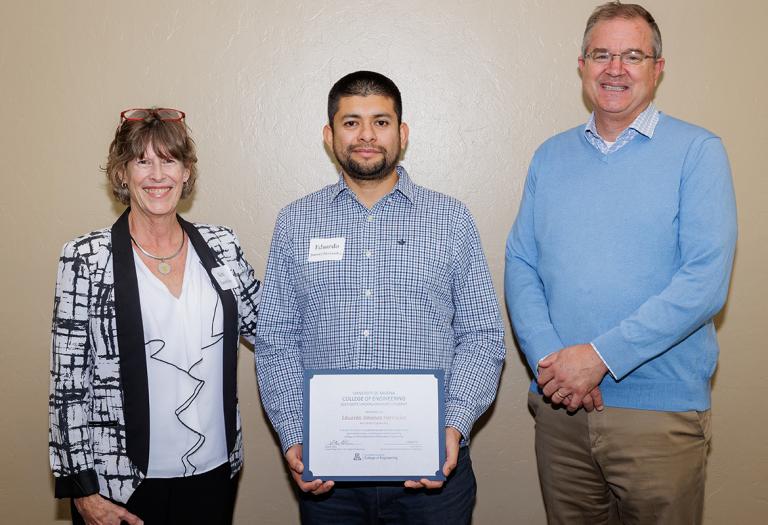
pixel 157 171
pixel 366 132
pixel 615 66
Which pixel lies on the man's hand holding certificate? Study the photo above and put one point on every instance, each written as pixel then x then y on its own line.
pixel 293 457
pixel 365 425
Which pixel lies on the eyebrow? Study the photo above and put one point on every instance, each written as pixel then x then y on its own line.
pixel 377 115
pixel 602 49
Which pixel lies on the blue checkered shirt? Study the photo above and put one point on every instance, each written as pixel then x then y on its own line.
pixel 412 290
pixel 644 124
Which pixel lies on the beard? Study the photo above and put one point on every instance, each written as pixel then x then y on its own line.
pixel 366 171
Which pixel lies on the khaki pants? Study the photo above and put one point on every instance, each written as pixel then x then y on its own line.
pixel 621 465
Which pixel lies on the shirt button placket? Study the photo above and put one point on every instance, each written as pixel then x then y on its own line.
pixel 366 267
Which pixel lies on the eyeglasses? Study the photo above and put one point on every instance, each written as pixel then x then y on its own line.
pixel 137 114
pixel 630 57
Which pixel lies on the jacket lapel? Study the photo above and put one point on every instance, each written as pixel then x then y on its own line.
pixel 209 260
pixel 130 339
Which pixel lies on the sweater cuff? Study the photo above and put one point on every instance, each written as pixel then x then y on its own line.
pixel 603 360
pixel 617 355
pixel 84 483
pixel 540 346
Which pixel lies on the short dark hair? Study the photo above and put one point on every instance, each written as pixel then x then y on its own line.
pixel 614 10
pixel 363 83
pixel 170 139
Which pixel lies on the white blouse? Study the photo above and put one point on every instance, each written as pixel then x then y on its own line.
pixel 184 344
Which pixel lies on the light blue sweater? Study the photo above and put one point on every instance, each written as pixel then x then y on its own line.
pixel 631 251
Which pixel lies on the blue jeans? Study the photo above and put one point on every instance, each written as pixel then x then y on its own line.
pixel 370 503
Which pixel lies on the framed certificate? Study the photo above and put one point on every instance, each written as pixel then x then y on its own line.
pixel 373 425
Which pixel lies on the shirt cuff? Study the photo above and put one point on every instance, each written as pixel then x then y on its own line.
pixel 603 360
pixel 536 372
pixel 290 435
pixel 461 419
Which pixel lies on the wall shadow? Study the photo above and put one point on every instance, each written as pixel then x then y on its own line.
pixel 722 315
pixel 273 434
pixel 61 507
pixel 483 420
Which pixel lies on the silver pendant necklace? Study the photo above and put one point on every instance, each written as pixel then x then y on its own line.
pixel 163 267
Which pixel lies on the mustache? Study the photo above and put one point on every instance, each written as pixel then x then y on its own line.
pixel 379 149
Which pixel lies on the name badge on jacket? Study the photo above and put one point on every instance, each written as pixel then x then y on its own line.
pixel 223 276
pixel 331 249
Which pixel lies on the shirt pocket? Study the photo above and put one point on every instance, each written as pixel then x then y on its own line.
pixel 417 267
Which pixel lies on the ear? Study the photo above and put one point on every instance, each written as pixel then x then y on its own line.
pixel 186 174
pixel 581 63
pixel 328 136
pixel 403 134
pixel 658 67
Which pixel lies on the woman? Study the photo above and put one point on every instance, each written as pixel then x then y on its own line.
pixel 144 423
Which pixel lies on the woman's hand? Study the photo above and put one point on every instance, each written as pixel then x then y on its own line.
pixel 96 510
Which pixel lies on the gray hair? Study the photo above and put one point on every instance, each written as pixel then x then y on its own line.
pixel 613 10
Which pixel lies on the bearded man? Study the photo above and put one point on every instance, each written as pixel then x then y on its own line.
pixel 407 287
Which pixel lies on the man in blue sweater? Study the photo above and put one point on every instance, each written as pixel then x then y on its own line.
pixel 618 260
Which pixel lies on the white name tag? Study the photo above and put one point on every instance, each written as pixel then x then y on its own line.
pixel 223 276
pixel 326 249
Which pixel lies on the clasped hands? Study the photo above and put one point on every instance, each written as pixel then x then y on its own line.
pixel 570 377
pixel 293 456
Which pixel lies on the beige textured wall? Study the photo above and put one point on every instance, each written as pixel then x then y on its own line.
pixel 483 83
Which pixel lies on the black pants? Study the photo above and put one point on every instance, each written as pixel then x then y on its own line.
pixel 205 499
pixel 391 503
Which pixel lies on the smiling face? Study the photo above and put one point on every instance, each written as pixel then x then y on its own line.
pixel 366 138
pixel 155 184
pixel 619 93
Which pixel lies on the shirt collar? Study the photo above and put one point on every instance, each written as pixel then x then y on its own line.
pixel 404 185
pixel 644 123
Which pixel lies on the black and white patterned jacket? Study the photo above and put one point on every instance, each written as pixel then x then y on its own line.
pixel 99 400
